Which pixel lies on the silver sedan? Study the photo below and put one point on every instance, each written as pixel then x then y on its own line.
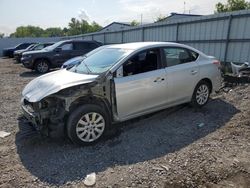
pixel 119 82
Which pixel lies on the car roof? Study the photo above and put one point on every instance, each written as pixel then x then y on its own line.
pixel 134 46
pixel 139 45
pixel 77 40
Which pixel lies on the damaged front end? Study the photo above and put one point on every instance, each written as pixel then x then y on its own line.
pixel 45 115
pixel 46 99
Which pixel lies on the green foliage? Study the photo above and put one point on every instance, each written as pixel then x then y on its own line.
pixel 160 18
pixel 53 32
pixel 134 23
pixel 1 35
pixel 75 27
pixel 232 5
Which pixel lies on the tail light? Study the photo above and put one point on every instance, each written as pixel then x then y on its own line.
pixel 217 63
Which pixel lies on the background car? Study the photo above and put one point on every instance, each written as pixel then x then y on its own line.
pixel 72 62
pixel 18 54
pixel 9 52
pixel 54 56
pixel 76 60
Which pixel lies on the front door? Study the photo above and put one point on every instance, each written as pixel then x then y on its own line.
pixel 64 54
pixel 143 85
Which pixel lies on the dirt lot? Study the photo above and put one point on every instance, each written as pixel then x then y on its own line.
pixel 178 147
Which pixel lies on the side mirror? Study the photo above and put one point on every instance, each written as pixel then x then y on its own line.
pixel 58 49
pixel 119 72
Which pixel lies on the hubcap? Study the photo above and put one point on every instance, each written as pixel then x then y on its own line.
pixel 202 94
pixel 90 127
pixel 42 67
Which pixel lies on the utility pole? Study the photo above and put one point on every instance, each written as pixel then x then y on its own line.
pixel 184 7
pixel 141 19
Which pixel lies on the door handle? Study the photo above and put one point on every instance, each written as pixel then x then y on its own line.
pixel 159 79
pixel 194 72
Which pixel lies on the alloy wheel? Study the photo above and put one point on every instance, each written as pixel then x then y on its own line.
pixel 202 94
pixel 42 67
pixel 90 127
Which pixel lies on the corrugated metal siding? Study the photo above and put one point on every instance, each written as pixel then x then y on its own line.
pixel 113 38
pixel 166 33
pixel 206 33
pixel 99 38
pixel 132 36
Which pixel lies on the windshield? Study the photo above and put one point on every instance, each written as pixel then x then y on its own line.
pixel 100 61
pixel 38 47
pixel 30 47
pixel 52 47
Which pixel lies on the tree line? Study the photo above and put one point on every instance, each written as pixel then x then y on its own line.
pixel 75 27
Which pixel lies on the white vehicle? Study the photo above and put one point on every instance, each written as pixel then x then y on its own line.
pixel 117 83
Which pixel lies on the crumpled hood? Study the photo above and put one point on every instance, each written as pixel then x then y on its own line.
pixel 53 82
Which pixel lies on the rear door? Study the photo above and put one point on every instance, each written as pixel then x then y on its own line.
pixel 142 86
pixel 183 73
pixel 81 48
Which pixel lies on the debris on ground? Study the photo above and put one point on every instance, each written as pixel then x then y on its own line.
pixel 90 180
pixel 162 149
pixel 201 125
pixel 4 134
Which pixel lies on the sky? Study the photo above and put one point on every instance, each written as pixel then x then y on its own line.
pixel 57 13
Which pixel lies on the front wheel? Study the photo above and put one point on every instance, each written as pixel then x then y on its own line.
pixel 87 124
pixel 201 94
pixel 42 66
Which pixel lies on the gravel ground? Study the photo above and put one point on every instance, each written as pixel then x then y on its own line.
pixel 177 147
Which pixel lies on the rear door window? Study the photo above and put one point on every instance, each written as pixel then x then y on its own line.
pixel 81 46
pixel 67 47
pixel 176 56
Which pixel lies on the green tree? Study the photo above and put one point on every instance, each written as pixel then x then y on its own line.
pixel 77 27
pixel 95 27
pixel 160 18
pixel 1 35
pixel 134 23
pixel 232 5
pixel 53 32
pixel 28 31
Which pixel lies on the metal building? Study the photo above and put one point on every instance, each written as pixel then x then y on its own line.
pixel 225 35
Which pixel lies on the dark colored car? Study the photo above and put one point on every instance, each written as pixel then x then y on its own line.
pixel 72 62
pixel 76 60
pixel 55 55
pixel 18 54
pixel 9 52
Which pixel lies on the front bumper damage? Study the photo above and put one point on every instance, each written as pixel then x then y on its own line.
pixel 44 120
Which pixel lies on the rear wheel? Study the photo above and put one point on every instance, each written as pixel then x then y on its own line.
pixel 42 66
pixel 201 94
pixel 87 124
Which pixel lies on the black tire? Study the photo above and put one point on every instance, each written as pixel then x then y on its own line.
pixel 79 114
pixel 195 102
pixel 42 66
